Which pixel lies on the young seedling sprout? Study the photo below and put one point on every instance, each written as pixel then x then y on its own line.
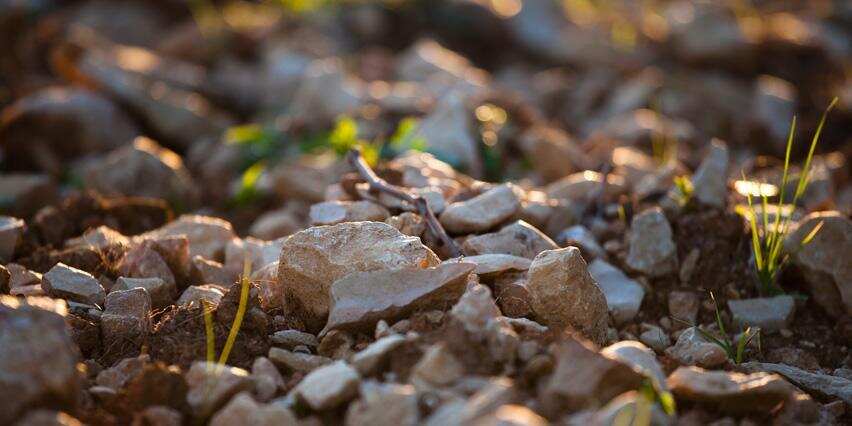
pixel 734 350
pixel 767 235
pixel 245 285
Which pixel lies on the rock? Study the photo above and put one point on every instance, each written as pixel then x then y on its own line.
pixel 426 58
pixel 289 339
pixel 11 230
pixel 261 254
pixel 502 340
pixel 513 295
pixel 38 358
pixel 602 377
pixel 652 249
pixel 482 212
pixel 579 236
pixel 655 337
pixel 328 387
pixel 565 295
pixel 44 417
pixel 161 293
pixel 475 309
pixel 511 415
pixel 122 372
pixel 489 397
pixel 5 276
pixel 693 349
pixel 730 392
pixel 447 131
pixel 336 344
pixel 143 169
pixel 823 261
pixel 99 238
pixel 297 361
pixel 710 181
pixel 126 316
pixel 772 98
pixel 360 300
pixel 205 271
pixel 623 295
pixel 490 265
pixel 73 284
pixel 144 261
pixel 306 177
pixel 325 93
pixel 517 239
pixel 579 187
pixel 207 235
pixel 313 259
pixel 334 212
pixel 244 410
pixel 408 223
pixel 211 386
pixel 421 169
pixel 554 153
pixel 267 379
pixel 683 306
pixel 266 279
pixel 23 194
pixel 640 358
pixel 822 385
pixel 384 404
pixel 437 367
pixel 275 224
pixel 197 293
pixel 20 276
pixel 368 360
pixel 768 313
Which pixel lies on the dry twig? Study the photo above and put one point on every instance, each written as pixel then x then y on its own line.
pixel 380 185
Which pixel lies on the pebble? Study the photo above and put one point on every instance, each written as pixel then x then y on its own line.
pixel 196 293
pixel 652 249
pixel 384 404
pixel 288 339
pixel 212 385
pixel 437 367
pixel 368 360
pixel 334 212
pixel 767 313
pixel 693 349
pixel 730 392
pixel 580 237
pixel 73 284
pixel 483 212
pixel 160 292
pixel 329 386
pixel 242 409
pixel 126 316
pixel 11 229
pixel 710 181
pixel 517 239
pixel 297 361
pixel 207 235
pixel 623 295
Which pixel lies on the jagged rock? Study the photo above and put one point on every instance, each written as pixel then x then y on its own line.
pixel 579 236
pixel 275 224
pixel 336 344
pixel 517 239
pixel 489 398
pixel 267 379
pixel 244 410
pixel 623 295
pixel 482 212
pixel 384 404
pixel 475 309
pixel 511 415
pixel 710 181
pixel 289 339
pixel 438 367
pixel 489 265
pixel 207 235
pixel 20 276
pixel 408 223
pixel 73 284
pixel 513 295
pixel 197 293
pixel 126 315
pixel 578 187
pixel 161 293
pixel 565 295
pixel 334 212
pixel 144 261
pixel 730 392
pixel 205 271
pixel 820 384
pixel 767 313
pixel 212 385
pixel 11 229
pixel 38 359
pixel 655 337
pixel 297 361
pixel 99 238
pixel 328 387
pixel 640 358
pixel 824 261
pixel 652 249
pixel 447 131
pixel 554 153
pixel 360 300
pixel 693 349
pixel 368 360
pixel 421 169
pixel 313 259
pixel 502 340
pixel 118 375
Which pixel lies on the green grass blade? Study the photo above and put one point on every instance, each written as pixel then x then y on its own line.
pixel 241 312
pixel 804 178
pixel 812 234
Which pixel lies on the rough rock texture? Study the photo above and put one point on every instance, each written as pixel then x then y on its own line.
pixel 38 359
pixel 565 295
pixel 329 386
pixel 10 234
pixel 211 386
pixel 161 293
pixel 652 249
pixel 475 309
pixel 824 261
pixel 207 235
pixel 710 181
pixel 73 284
pixel 768 313
pixel 821 384
pixel 126 315
pixel 693 349
pixel 580 237
pixel 334 212
pixel 437 367
pixel 730 392
pixel 360 300
pixel 639 357
pixel 313 259
pixel 482 212
pixel 197 293
pixel 623 295
pixel 370 358
pixel 494 264
pixel 517 239
pixel 244 410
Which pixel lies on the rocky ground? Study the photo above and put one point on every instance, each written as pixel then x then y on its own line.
pixel 485 212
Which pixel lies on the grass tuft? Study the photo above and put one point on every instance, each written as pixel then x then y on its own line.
pixel 734 349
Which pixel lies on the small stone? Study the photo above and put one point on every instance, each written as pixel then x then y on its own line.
pixel 511 415
pixel 207 235
pixel 275 224
pixel 212 385
pixel 554 153
pixel 516 239
pixel 710 181
pixel 655 337
pixel 360 300
pixel 623 295
pixel 118 375
pixel 368 360
pixel 822 385
pixel 38 358
pixel 205 271
pixel 503 342
pixel 11 229
pixel 197 293
pixel 773 97
pixel 768 313
pixel 297 361
pixel 640 358
pixel 730 392
pixel 447 130
pixel 475 309
pixel 408 223
pixel 144 261
pixel 565 295
pixel 289 339
pixel 437 367
pixel 693 349
pixel 126 315
pixel 24 194
pixel 684 306
pixel 20 276
pixel 334 212
pixel 267 379
pixel 313 259
pixel 329 386
pixel 336 344
pixel 513 296
pixel 73 284
pixel 242 409
pixel 324 93
pixel 384 404
pixel 580 236
pixel 687 267
pixel 161 293
pixel 652 249
pixel 489 265
pixel 482 212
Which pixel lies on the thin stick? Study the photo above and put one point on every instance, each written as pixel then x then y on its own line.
pixel 378 184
